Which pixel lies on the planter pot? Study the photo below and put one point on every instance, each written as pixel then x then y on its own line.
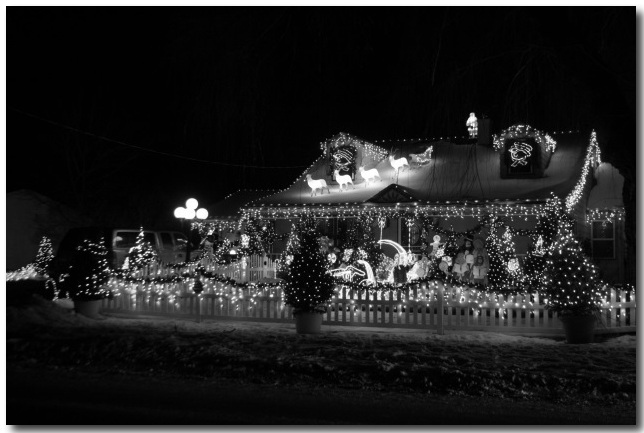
pixel 579 329
pixel 308 323
pixel 88 308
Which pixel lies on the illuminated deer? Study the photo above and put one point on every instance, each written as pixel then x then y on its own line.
pixel 369 175
pixel 316 184
pixel 398 163
pixel 343 180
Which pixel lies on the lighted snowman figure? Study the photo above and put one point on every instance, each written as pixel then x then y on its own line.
pixel 472 125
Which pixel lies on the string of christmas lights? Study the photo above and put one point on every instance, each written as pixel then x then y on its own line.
pixel 523 131
pixel 592 159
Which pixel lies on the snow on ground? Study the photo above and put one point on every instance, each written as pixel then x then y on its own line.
pixel 398 360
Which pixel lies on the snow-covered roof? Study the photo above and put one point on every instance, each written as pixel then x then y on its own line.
pixel 229 207
pixel 456 172
pixel 607 193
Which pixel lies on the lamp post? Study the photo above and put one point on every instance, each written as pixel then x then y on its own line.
pixel 189 213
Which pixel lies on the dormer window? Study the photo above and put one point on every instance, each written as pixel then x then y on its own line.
pixel 525 151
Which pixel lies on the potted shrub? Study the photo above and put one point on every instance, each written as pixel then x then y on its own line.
pixel 573 288
pixel 308 285
pixel 87 277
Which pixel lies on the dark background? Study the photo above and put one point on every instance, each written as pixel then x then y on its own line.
pixel 245 88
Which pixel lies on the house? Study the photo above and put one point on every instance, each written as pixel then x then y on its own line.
pixel 451 186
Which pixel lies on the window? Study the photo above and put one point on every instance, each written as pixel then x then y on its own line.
pixel 128 239
pixel 410 237
pixel 166 240
pixel 180 240
pixel 603 239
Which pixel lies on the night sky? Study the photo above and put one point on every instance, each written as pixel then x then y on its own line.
pixel 220 96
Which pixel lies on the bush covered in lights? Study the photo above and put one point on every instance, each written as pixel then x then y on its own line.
pixel 44 257
pixel 570 280
pixel 308 284
pixel 89 272
pixel 142 253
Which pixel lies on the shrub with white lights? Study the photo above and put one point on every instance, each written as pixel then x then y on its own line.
pixel 308 284
pixel 44 256
pixel 141 254
pixel 89 272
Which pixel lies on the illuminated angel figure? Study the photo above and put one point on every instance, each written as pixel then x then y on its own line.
pixel 539 250
pixel 472 125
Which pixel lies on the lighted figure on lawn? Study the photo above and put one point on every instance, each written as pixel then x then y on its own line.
pixel 472 125
pixel 479 271
pixel 208 244
pixel 369 175
pixel 346 272
pixel 316 184
pixel 420 269
pixel 401 269
pixel 539 250
pixel 371 278
pixel 436 245
pixel 481 262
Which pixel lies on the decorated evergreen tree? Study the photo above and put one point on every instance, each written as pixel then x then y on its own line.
pixel 570 279
pixel 141 254
pixel 261 235
pixel 535 263
pixel 308 284
pixel 360 240
pixel 44 256
pixel 510 260
pixel 497 273
pixel 451 246
pixel 544 236
pixel 292 246
pixel 89 272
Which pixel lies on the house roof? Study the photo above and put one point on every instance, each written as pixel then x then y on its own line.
pixel 607 193
pixel 456 172
pixel 229 207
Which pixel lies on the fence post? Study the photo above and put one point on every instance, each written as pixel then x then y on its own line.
pixel 441 291
pixel 264 266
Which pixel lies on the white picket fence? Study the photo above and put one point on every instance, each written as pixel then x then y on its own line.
pixel 439 308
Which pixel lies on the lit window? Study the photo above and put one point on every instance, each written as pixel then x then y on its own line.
pixel 603 239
